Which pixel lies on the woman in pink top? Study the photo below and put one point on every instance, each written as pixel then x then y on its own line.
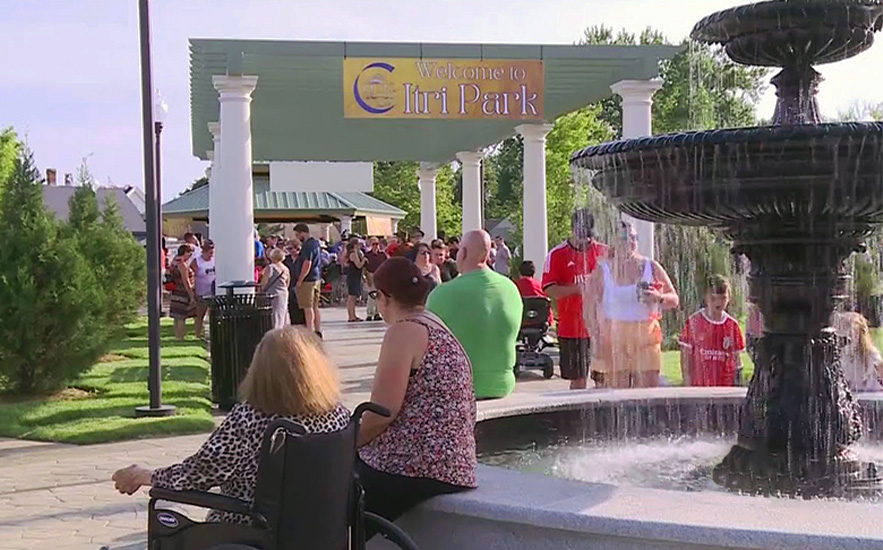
pixel 427 446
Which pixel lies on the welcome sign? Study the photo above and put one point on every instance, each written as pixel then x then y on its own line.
pixel 442 88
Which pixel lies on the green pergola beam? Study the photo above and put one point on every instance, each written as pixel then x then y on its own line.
pixel 297 108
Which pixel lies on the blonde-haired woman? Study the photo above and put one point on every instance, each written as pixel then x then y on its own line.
pixel 859 358
pixel 627 295
pixel 289 377
pixel 275 279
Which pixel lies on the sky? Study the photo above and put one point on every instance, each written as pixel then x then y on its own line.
pixel 70 79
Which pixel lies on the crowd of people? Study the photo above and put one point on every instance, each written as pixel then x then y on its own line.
pixel 453 316
pixel 609 302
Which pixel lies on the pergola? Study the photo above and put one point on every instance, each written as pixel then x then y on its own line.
pixel 262 101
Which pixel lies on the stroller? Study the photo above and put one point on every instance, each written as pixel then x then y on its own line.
pixel 532 338
pixel 329 293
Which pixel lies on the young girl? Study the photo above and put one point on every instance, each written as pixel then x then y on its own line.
pixel 860 360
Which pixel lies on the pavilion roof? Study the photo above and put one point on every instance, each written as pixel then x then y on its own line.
pixel 288 205
pixel 297 107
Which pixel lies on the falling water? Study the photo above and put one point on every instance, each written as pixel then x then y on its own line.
pixel 797 199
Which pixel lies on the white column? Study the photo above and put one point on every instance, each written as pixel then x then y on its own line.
pixel 536 230
pixel 426 175
pixel 471 171
pixel 346 224
pixel 637 103
pixel 214 170
pixel 233 204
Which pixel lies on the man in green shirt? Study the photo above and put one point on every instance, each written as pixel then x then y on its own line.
pixel 483 309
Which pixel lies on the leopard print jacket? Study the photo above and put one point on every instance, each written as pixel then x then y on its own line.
pixel 229 459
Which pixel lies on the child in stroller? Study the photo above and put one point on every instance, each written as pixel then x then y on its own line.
pixel 535 324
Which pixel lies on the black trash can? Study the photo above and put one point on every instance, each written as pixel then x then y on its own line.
pixel 238 322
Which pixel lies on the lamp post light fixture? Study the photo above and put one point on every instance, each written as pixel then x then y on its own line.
pixel 151 127
pixel 160 113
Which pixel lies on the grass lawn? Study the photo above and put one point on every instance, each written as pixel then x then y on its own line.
pixel 100 405
pixel 671 362
pixel 671 368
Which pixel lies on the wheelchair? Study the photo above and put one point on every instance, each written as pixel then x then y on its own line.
pixel 532 338
pixel 307 497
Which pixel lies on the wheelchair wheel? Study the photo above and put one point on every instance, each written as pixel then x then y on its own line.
pixel 390 531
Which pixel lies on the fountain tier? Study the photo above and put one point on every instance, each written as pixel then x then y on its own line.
pixel 797 198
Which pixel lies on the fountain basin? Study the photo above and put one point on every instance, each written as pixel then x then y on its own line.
pixel 782 34
pixel 806 179
pixel 513 509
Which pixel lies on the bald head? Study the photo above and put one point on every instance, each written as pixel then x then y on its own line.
pixel 474 249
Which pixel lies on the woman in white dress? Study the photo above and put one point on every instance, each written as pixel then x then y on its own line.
pixel 274 280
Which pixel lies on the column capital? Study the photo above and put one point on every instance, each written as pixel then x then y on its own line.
pixel 470 158
pixel 214 129
pixel 210 155
pixel 636 90
pixel 533 132
pixel 234 87
pixel 427 170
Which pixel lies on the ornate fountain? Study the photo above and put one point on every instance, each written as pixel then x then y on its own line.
pixel 797 198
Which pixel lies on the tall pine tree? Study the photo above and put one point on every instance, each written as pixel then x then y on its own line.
pixel 115 258
pixel 51 327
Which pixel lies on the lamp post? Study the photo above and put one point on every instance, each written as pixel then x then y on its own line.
pixel 151 188
pixel 160 112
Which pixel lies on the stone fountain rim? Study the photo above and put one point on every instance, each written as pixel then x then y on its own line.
pixel 724 137
pixel 519 404
pixel 510 504
pixel 711 28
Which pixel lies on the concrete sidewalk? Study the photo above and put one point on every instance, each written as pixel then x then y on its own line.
pixel 55 496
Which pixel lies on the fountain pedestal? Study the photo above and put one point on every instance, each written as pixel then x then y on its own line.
pixel 799 416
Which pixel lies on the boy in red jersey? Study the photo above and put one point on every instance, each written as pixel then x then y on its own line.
pixel 565 275
pixel 711 342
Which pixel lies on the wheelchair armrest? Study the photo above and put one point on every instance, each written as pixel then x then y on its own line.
pixel 373 407
pixel 209 500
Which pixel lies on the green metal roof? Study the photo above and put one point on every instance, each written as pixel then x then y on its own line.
pixel 297 107
pixel 268 204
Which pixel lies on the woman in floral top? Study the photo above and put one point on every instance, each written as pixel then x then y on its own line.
pixel 427 446
pixel 289 377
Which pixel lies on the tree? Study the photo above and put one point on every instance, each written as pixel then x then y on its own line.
pixel 503 178
pixel 702 88
pixel 9 147
pixel 51 327
pixel 117 260
pixel 396 183
pixel 861 111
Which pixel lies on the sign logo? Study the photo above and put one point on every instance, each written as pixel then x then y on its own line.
pixel 443 88
pixel 374 89
pixel 167 520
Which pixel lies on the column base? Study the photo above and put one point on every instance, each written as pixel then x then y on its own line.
pixel 147 411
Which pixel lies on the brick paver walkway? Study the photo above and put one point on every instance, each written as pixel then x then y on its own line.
pixel 55 496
